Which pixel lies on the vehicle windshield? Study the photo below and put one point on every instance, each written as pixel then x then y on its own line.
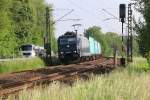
pixel 26 48
pixel 63 41
pixel 68 41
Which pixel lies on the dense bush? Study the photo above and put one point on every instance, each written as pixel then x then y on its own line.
pixel 148 58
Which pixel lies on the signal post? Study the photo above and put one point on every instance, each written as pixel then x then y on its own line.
pixel 122 17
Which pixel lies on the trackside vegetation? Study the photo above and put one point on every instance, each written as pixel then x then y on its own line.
pixel 22 22
pixel 21 65
pixel 142 27
pixel 131 83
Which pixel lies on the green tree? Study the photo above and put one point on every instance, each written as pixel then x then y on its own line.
pixel 7 37
pixel 23 21
pixel 146 35
pixel 114 42
pixel 97 34
pixel 38 30
pixel 142 27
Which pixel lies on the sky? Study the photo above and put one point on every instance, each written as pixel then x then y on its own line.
pixel 90 12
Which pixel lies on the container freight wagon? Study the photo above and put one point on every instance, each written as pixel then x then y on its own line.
pixel 95 48
pixel 73 47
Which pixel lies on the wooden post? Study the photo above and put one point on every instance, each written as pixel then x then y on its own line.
pixel 115 56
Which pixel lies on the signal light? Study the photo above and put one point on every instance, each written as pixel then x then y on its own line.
pixel 122 12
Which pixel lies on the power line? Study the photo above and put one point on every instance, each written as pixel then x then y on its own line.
pixel 110 14
pixel 71 19
pixel 59 9
pixel 64 16
pixel 114 17
pixel 81 8
pixel 76 5
pixel 109 19
pixel 91 13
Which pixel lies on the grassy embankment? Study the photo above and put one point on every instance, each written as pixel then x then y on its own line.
pixel 21 65
pixel 131 83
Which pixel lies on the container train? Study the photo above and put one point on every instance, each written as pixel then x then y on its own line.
pixel 77 47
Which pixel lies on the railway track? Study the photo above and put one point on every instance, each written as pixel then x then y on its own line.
pixel 14 82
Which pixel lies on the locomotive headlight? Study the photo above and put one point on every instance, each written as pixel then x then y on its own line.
pixel 61 52
pixel 75 51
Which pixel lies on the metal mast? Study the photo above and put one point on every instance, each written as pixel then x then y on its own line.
pixel 130 35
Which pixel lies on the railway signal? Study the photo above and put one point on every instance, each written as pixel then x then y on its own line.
pixel 122 17
pixel 122 12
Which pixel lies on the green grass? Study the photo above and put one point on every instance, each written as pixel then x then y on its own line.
pixel 139 65
pixel 21 65
pixel 131 83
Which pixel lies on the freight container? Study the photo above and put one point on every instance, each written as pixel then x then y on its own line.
pixel 83 45
pixel 95 47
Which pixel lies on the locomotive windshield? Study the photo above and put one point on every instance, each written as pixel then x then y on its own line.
pixel 68 41
pixel 63 41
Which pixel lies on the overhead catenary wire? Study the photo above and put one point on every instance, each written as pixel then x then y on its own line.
pixel 76 5
pixel 71 19
pixel 114 17
pixel 59 19
pixel 60 9
pixel 110 14
pixel 84 10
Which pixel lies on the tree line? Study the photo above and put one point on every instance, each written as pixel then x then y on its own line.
pixel 142 27
pixel 22 22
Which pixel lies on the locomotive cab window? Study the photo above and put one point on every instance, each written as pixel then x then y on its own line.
pixel 63 41
pixel 68 41
pixel 72 40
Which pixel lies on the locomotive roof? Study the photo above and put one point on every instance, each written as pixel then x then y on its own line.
pixel 70 33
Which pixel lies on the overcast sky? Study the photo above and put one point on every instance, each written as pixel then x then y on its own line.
pixel 91 13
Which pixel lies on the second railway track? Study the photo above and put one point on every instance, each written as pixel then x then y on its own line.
pixel 14 82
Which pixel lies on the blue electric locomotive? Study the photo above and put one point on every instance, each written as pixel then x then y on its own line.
pixel 73 47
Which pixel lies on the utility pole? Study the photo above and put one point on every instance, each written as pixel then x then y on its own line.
pixel 130 35
pixel 47 39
